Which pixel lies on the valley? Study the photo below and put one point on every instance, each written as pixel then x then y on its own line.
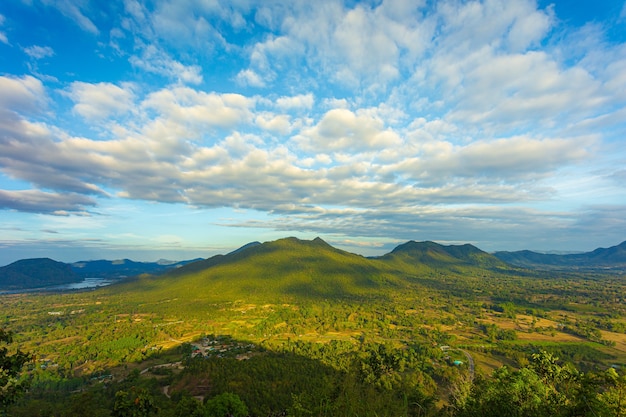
pixel 302 328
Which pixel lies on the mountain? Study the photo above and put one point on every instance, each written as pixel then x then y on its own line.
pixel 290 268
pixel 602 258
pixel 35 273
pixel 434 255
pixel 45 272
pixel 287 267
pixel 123 268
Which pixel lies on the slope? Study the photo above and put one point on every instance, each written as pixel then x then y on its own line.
pixel 280 271
pixel 428 256
pixel 35 273
pixel 602 258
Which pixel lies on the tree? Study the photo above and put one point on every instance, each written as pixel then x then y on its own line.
pixel 135 403
pixel 11 383
pixel 226 405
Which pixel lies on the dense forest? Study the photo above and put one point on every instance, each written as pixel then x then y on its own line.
pixel 300 328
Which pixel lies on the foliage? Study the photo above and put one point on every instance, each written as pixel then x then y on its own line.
pixel 302 328
pixel 137 402
pixel 225 405
pixel 545 388
pixel 11 364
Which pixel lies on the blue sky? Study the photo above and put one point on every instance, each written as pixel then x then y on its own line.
pixel 175 129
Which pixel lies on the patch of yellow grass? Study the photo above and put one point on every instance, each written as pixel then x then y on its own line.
pixel 618 338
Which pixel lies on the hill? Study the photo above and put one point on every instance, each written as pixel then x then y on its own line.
pixel 434 255
pixel 122 268
pixel 612 258
pixel 288 268
pixel 35 273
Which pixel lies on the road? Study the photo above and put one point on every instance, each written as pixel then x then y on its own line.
pixel 470 362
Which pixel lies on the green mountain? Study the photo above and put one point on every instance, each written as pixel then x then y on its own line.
pixel 434 255
pixel 601 258
pixel 290 268
pixel 36 273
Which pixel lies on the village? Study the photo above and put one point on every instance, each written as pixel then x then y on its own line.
pixel 222 346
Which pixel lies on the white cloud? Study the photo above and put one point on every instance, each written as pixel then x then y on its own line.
pixel 156 61
pixel 280 124
pixel 74 10
pixel 39 52
pixel 185 105
pixel 23 94
pixel 3 36
pixel 390 110
pixel 301 101
pixel 35 201
pixel 341 129
pixel 99 101
pixel 251 78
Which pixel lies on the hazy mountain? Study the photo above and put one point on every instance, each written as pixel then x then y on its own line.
pixel 123 268
pixel 45 272
pixel 35 273
pixel 601 258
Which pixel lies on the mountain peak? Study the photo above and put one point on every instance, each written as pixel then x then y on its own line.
pixel 435 254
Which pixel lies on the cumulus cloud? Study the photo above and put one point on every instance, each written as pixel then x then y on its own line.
pixel 188 106
pixel 513 159
pixel 251 78
pixel 279 124
pixel 359 47
pixel 99 101
pixel 22 94
pixel 301 101
pixel 394 118
pixel 35 201
pixel 341 129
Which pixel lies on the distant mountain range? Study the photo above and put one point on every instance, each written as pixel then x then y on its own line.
pixel 123 268
pixel 45 272
pixel 35 273
pixel 310 263
pixel 613 258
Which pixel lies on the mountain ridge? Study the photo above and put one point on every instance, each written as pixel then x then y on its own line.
pixel 411 257
pixel 613 257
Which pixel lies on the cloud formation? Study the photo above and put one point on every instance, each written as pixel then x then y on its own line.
pixel 388 119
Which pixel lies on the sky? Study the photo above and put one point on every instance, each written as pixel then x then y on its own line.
pixel 184 128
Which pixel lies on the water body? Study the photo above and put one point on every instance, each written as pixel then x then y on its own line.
pixel 85 284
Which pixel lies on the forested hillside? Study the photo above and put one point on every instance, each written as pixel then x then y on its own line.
pixel 35 273
pixel 295 327
pixel 613 258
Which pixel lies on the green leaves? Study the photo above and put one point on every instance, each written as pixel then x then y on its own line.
pixel 11 364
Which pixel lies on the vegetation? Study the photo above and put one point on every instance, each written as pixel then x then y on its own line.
pixel 35 273
pixel 11 364
pixel 300 328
